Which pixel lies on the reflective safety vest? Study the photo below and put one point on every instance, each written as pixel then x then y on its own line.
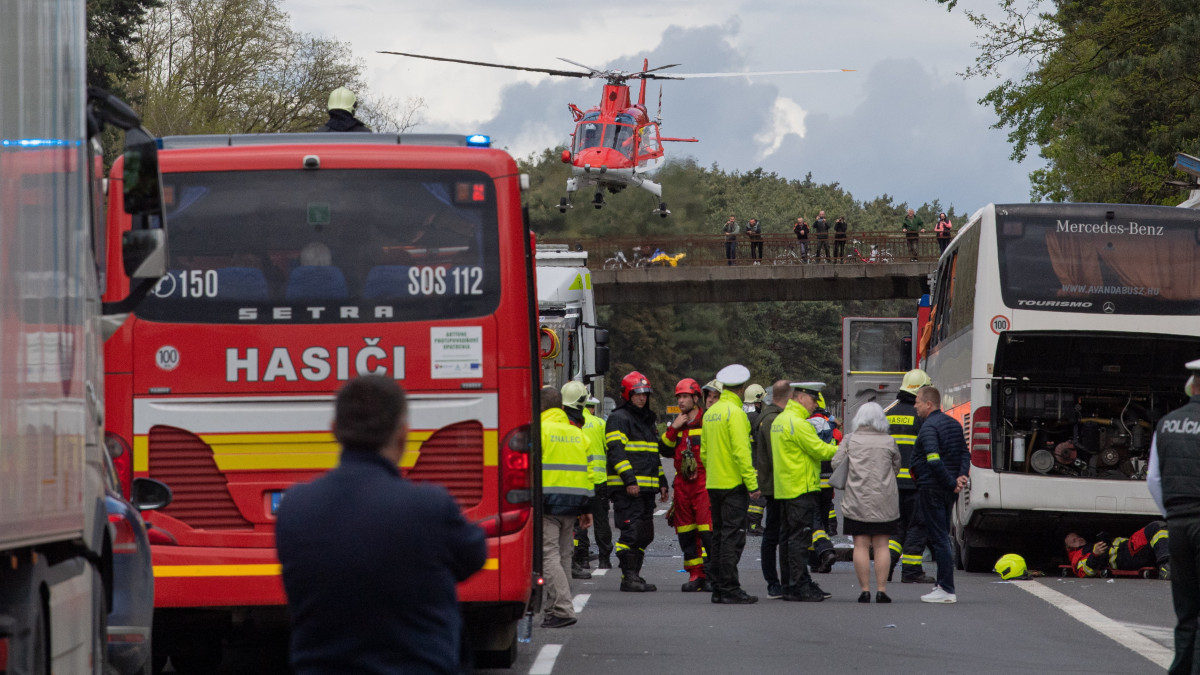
pixel 593 429
pixel 725 445
pixel 566 482
pixel 632 450
pixel 797 453
pixel 903 425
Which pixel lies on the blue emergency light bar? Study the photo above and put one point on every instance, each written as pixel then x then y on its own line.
pixel 479 141
pixel 39 143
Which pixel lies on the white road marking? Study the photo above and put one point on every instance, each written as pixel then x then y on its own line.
pixel 544 663
pixel 580 601
pixel 599 573
pixel 1122 633
pixel 660 512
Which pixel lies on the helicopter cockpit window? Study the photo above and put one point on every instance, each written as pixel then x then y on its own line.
pixel 588 135
pixel 620 137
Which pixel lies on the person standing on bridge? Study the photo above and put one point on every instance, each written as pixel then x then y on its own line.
pixel 801 229
pixel 912 226
pixel 691 514
pixel 1174 481
pixel 731 481
pixel 754 233
pixel 730 230
pixel 944 230
pixel 346 544
pixel 840 228
pixel 821 227
pixel 635 475
pixel 940 464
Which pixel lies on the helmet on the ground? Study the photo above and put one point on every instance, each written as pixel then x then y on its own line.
pixel 634 383
pixel 914 380
pixel 342 99
pixel 687 386
pixel 755 393
pixel 1010 566
pixel 574 394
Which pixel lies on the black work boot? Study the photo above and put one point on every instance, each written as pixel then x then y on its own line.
pixel 578 572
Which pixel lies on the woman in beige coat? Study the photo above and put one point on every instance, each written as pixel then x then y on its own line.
pixel 870 503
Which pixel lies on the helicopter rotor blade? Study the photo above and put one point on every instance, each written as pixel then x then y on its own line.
pixel 596 72
pixel 651 70
pixel 689 76
pixel 548 71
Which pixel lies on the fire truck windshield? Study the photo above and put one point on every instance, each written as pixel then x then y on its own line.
pixel 328 246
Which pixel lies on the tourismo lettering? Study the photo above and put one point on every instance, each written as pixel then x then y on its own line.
pixel 317 363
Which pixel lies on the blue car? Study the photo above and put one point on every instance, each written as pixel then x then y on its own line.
pixel 131 582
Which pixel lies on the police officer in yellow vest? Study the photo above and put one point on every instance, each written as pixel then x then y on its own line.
pixel 732 482
pixel 797 453
pixel 566 493
pixel 593 428
pixel 903 424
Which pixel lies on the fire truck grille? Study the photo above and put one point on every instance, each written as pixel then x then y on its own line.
pixel 185 463
pixel 453 457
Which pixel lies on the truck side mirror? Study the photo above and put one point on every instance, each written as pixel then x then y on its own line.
pixel 143 187
pixel 149 494
pixel 602 356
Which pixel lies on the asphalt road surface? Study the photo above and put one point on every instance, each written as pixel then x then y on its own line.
pixel 1047 625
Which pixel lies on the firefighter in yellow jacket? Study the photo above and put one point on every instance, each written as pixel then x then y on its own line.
pixel 797 453
pixel 566 493
pixel 731 481
pixel 593 428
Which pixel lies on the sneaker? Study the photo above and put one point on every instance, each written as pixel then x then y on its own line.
pixel 774 591
pixel 923 579
pixel 939 596
pixel 807 595
pixel 825 595
pixel 738 597
pixel 559 621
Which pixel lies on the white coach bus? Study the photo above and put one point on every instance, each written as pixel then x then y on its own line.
pixel 1057 337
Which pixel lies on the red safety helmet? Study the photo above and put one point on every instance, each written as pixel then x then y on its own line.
pixel 634 383
pixel 689 386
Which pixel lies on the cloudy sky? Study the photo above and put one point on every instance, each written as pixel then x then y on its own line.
pixel 904 124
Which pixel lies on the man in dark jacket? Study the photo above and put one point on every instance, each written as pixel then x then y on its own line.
pixel 370 560
pixel 940 464
pixel 908 548
pixel 342 106
pixel 763 464
pixel 635 475
pixel 1174 481
pixel 820 226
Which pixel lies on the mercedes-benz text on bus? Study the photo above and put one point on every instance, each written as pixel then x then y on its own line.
pixel 297 263
pixel 1056 337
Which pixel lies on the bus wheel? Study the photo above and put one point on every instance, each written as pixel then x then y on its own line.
pixel 976 559
pixel 502 639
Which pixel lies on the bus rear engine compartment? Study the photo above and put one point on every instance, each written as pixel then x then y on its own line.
pixel 1078 431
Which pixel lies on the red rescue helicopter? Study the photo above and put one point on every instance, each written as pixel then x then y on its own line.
pixel 615 144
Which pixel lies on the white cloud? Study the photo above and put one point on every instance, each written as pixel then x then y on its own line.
pixel 787 117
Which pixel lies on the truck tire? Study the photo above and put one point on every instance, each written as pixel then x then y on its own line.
pixel 502 643
pixel 978 559
pixel 99 624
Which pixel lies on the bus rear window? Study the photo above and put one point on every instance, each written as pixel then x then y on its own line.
pixel 328 246
pixel 1113 259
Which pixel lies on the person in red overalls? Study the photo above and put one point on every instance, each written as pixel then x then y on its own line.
pixel 691 515
pixel 1145 548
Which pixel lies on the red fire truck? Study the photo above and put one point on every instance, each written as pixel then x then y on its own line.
pixel 299 261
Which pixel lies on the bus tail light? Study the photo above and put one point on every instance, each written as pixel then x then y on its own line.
pixel 981 438
pixel 122 457
pixel 516 485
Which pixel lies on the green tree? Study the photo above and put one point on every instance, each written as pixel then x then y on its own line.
pixel 236 66
pixel 112 34
pixel 1110 98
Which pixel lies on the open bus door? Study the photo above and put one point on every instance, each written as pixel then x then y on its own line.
pixel 876 352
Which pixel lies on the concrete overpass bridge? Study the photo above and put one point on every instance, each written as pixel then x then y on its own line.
pixel 703 274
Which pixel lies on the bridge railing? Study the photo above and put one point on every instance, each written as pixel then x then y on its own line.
pixel 861 248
